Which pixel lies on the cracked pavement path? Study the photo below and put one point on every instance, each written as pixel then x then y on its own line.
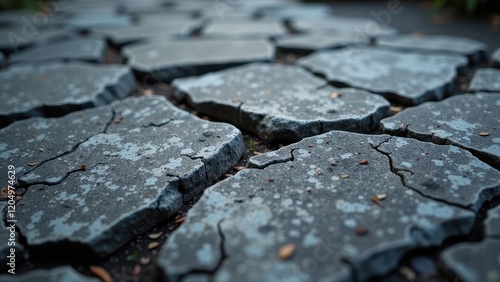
pixel 318 194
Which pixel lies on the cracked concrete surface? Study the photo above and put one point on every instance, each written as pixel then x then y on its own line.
pixel 485 80
pixel 318 195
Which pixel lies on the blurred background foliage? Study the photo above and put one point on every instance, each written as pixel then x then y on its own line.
pixel 21 4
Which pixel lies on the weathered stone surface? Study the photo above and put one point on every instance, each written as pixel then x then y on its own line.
pixel 168 60
pixel 485 80
pixel 471 262
pixel 58 274
pixel 147 158
pixel 491 223
pixel 244 29
pixel 281 102
pixel 408 78
pixel 476 51
pixel 467 121
pixel 362 28
pixel 104 19
pixel 316 195
pixel 7 242
pixel 295 11
pixel 14 39
pixel 83 49
pixel 308 43
pixel 55 89
pixel 495 58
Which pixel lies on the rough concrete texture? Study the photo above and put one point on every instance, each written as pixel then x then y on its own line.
pixel 318 195
pixel 58 274
pixel 169 60
pixel 463 263
pixel 487 80
pixel 145 156
pixel 308 43
pixel 407 78
pixel 467 121
pixel 55 89
pixel 281 102
pixel 244 29
pixel 476 51
pixel 363 28
pixel 82 49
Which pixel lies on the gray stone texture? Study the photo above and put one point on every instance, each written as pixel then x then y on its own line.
pixel 169 60
pixel 281 102
pixel 292 11
pixel 244 29
pixel 476 51
pixel 492 223
pixel 82 49
pixel 487 80
pixel 362 28
pixel 144 156
pixel 97 19
pixel 308 43
pixel 317 194
pixel 407 78
pixel 55 89
pixel 467 121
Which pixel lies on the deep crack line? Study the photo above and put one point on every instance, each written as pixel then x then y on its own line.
pixel 63 177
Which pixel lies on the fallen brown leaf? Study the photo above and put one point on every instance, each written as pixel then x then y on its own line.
pixel 180 220
pixel 32 164
pixel 376 201
pixel 361 230
pixel 286 251
pixel 155 235
pixel 137 270
pixel 239 168
pixel 153 245
pixel 363 162
pixel 100 273
pixel 335 95
pixel 484 133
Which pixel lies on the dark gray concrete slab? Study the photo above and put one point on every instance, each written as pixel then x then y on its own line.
pixel 244 29
pixel 279 102
pixel 55 89
pixel 495 58
pixel 467 121
pixel 169 60
pixel 487 80
pixel 363 28
pixel 308 43
pixel 491 223
pixel 317 195
pixel 476 51
pixel 81 49
pixel 92 20
pixel 148 159
pixel 471 262
pixel 58 274
pixel 295 11
pixel 407 78
pixel 15 39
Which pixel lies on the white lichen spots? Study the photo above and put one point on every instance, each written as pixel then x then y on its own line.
pixel 440 133
pixel 436 113
pixel 63 229
pixel 174 163
pixel 187 151
pixel 54 179
pixel 350 250
pixel 389 125
pixel 400 142
pixel 287 203
pixel 86 188
pixel 348 207
pixel 310 239
pixel 335 178
pixel 459 124
pixel 433 209
pixel 479 164
pixel 205 254
pixel 453 149
pixel 438 162
pixel 406 164
pixel 458 181
pixel 97 227
pixel 294 233
pixel 151 181
pixel 302 153
pixel 110 185
pixel 350 223
pixel 346 155
pixel 10 153
pixel 276 196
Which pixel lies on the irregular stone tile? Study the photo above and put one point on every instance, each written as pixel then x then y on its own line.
pixel 495 58
pixel 168 60
pixel 467 121
pixel 83 49
pixel 7 243
pixel 313 194
pixel 244 29
pixel 281 102
pixel 471 262
pixel 148 159
pixel 408 78
pixel 55 89
pixel 308 43
pixel 58 274
pixel 476 51
pixel 491 222
pixel 91 20
pixel 363 28
pixel 15 39
pixel 295 11
pixel 485 80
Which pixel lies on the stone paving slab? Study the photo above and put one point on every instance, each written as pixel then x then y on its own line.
pixel 55 89
pixel 13 40
pixel 467 121
pixel 471 262
pixel 407 78
pixel 476 51
pixel 487 80
pixel 495 58
pixel 58 274
pixel 295 11
pixel 92 20
pixel 147 158
pixel 308 43
pixel 244 29
pixel 491 223
pixel 82 49
pixel 317 195
pixel 279 102
pixel 169 60
pixel 363 28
